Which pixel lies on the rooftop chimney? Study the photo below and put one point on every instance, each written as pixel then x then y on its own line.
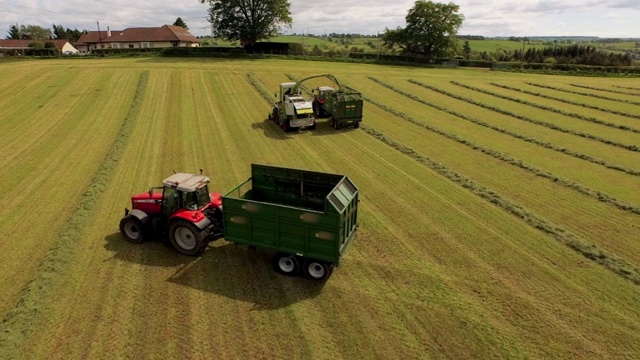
pixel 108 32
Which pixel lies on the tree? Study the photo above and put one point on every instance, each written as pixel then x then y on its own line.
pixel 248 21
pixel 466 49
pixel 72 35
pixel 14 33
pixel 430 32
pixel 35 32
pixel 181 23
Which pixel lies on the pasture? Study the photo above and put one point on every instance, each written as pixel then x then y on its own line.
pixel 499 214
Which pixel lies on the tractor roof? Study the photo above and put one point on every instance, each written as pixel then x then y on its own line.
pixel 186 182
pixel 325 88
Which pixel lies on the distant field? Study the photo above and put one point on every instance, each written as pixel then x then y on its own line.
pixel 499 214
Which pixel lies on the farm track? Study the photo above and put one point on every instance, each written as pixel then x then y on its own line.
pixel 555 88
pixel 614 263
pixel 550 109
pixel 585 135
pixel 18 324
pixel 446 273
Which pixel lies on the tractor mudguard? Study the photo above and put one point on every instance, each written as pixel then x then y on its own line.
pixel 141 215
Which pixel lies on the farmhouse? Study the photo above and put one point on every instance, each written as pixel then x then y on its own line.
pixel 137 38
pixel 64 46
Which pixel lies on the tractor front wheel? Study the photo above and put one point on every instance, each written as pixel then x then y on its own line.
pixel 186 238
pixel 132 229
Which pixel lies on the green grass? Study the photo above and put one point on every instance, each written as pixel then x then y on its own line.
pixel 460 254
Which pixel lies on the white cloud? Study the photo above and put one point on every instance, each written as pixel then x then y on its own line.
pixel 604 18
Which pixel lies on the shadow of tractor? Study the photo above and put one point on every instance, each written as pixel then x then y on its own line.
pixel 224 269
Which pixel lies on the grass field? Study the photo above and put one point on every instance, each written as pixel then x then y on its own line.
pixel 499 214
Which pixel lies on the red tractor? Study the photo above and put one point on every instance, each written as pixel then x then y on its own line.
pixel 184 210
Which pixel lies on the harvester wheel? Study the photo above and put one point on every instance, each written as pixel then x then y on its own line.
pixel 317 270
pixel 132 229
pixel 286 264
pixel 316 109
pixel 186 238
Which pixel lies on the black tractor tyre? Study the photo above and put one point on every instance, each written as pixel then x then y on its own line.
pixel 317 270
pixel 132 229
pixel 286 264
pixel 276 116
pixel 187 238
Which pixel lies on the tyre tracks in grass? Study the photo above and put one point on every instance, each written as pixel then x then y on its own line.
pixel 18 325
pixel 547 145
pixel 550 109
pixel 629 147
pixel 542 86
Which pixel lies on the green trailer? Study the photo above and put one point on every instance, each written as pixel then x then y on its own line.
pixel 308 218
pixel 344 106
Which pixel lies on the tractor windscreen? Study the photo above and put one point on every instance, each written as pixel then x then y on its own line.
pixel 202 196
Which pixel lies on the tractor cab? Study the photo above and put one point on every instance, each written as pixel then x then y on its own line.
pixel 185 191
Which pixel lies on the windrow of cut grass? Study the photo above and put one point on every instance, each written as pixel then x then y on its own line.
pixel 49 162
pixel 606 90
pixel 597 96
pixel 610 261
pixel 629 147
pixel 549 108
pixel 626 87
pixel 19 324
pixel 516 135
pixel 600 196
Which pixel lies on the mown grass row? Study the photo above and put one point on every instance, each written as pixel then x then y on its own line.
pixel 589 106
pixel 20 322
pixel 627 87
pixel 608 260
pixel 511 133
pixel 261 90
pixel 583 93
pixel 528 119
pixel 598 195
pixel 603 89
pixel 548 108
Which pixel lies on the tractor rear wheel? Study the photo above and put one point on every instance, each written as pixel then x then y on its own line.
pixel 286 264
pixel 317 270
pixel 132 229
pixel 187 238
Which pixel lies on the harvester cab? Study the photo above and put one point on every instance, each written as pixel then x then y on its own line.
pixel 292 110
pixel 185 209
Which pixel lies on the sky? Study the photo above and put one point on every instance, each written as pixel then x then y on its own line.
pixel 489 18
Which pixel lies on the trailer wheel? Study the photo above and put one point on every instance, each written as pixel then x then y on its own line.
pixel 318 270
pixel 356 125
pixel 186 238
pixel 132 229
pixel 286 264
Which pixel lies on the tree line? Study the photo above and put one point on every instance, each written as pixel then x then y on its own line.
pixel 35 32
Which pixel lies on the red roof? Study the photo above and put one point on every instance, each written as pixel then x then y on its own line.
pixel 93 37
pixel 166 33
pixel 60 43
